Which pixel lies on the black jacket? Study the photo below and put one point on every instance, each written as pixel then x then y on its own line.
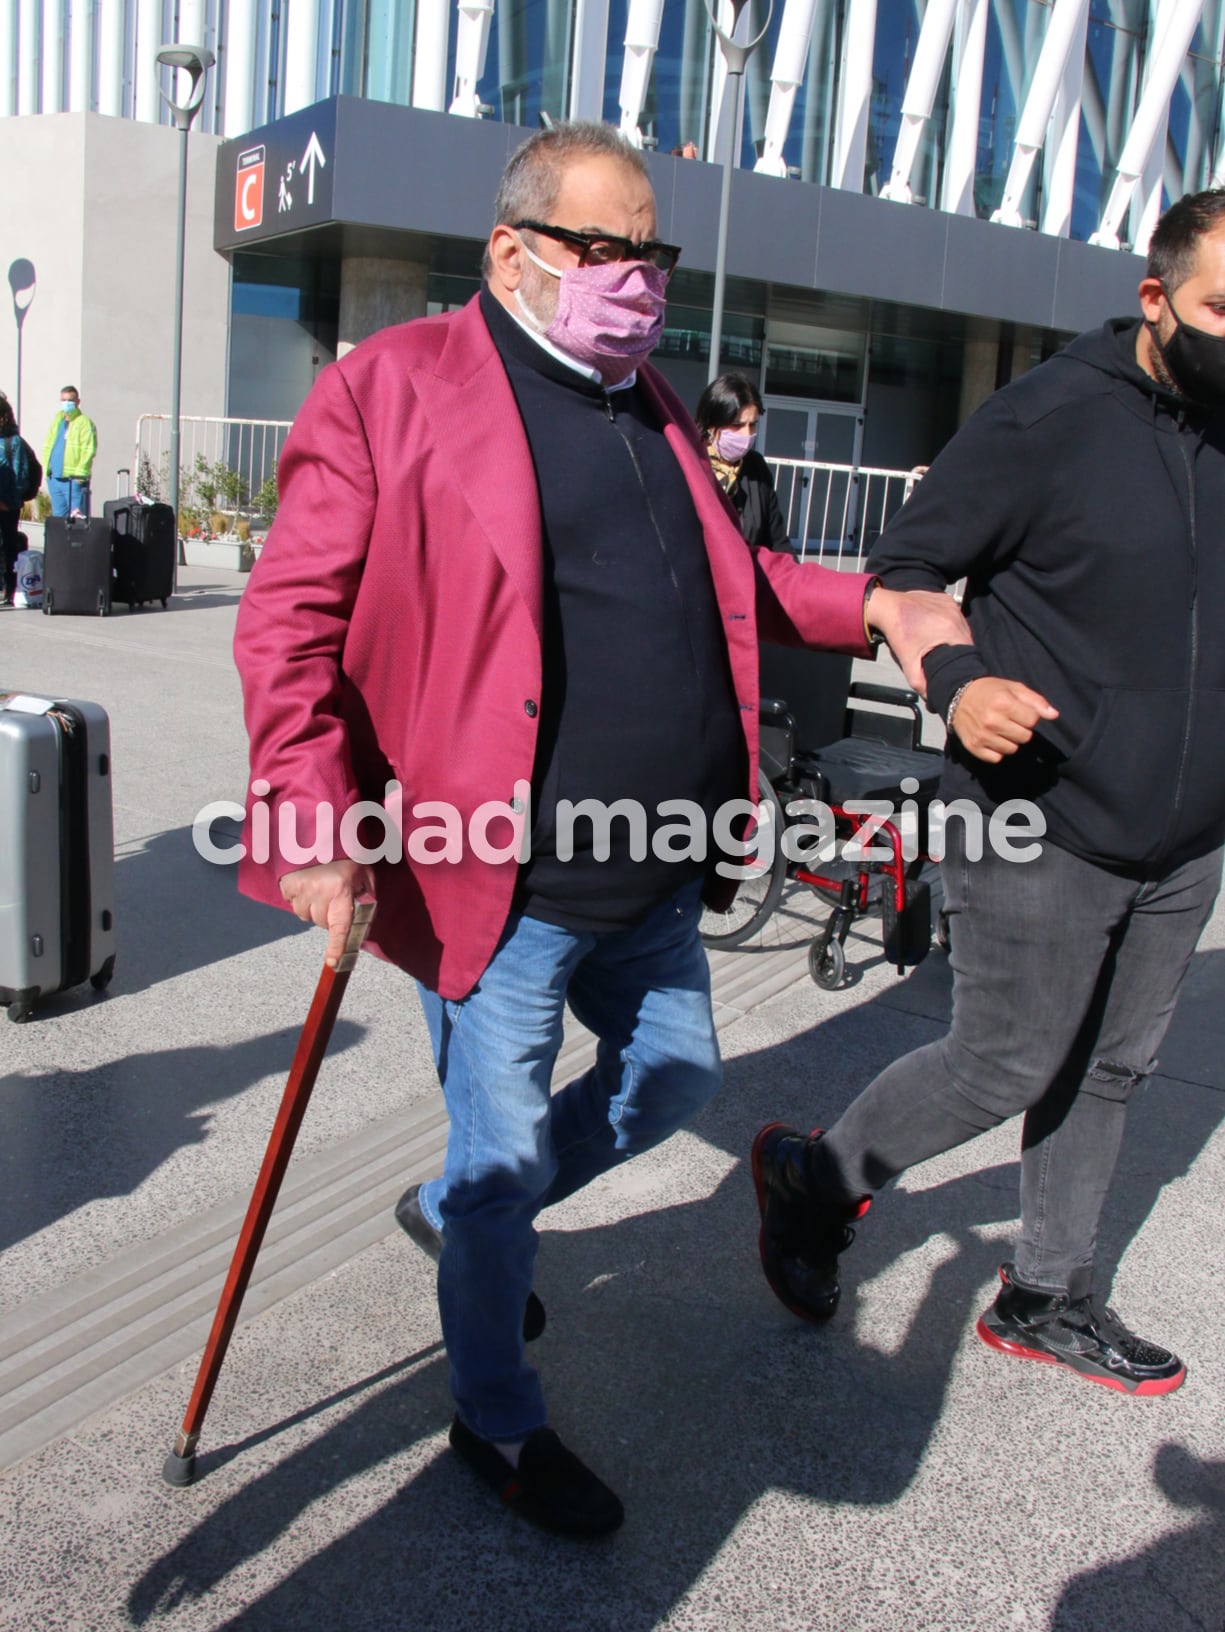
pixel 1085 505
pixel 761 520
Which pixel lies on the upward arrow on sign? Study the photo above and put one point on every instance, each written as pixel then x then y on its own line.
pixel 313 156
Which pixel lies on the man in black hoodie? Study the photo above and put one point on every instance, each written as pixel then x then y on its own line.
pixel 1085 506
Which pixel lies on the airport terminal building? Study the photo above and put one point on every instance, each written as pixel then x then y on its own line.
pixel 927 197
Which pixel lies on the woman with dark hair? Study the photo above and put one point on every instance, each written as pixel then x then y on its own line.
pixel 727 415
pixel 16 477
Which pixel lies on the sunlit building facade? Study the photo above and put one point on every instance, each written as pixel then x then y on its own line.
pixel 931 195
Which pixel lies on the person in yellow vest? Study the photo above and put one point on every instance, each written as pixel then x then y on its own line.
pixel 68 456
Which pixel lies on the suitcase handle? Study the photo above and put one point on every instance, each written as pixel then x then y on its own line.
pixel 124 470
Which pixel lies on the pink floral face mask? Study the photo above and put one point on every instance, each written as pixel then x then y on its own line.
pixel 609 317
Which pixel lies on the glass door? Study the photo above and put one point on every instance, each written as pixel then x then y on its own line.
pixel 819 505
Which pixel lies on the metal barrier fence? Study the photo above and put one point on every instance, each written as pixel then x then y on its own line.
pixel 227 471
pixel 837 512
pixel 227 485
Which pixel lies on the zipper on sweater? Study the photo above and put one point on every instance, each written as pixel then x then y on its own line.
pixel 659 535
pixel 1193 654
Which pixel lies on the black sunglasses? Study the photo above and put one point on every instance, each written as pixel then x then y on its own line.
pixel 605 248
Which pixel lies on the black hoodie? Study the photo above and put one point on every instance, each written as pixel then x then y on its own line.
pixel 1085 506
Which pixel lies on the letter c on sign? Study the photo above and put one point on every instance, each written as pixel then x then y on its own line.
pixel 249 189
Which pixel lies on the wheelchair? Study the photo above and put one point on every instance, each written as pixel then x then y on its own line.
pixel 826 742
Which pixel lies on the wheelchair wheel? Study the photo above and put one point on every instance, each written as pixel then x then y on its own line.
pixel 759 893
pixel 828 967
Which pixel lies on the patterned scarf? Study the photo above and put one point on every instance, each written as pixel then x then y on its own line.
pixel 726 474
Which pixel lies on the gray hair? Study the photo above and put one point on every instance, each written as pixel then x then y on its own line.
pixel 532 179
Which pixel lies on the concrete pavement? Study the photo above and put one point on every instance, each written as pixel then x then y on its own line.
pixel 885 1473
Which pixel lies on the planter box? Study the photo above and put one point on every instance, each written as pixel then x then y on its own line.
pixel 229 555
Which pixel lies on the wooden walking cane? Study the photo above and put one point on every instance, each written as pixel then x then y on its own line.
pixel 180 1465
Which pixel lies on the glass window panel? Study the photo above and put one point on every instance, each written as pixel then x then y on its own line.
pixel 1194 125
pixel 390 25
pixel 810 134
pixel 897 36
pixel 677 105
pixel 1114 62
pixel 527 66
pixel 1015 31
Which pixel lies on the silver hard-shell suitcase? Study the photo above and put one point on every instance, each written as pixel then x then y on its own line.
pixel 57 856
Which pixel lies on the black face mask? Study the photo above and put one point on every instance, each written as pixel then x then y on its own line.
pixel 1196 361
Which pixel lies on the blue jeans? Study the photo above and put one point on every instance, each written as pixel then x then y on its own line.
pixel 513 1148
pixel 68 494
pixel 1065 978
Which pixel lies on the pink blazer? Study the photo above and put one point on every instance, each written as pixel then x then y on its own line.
pixel 392 625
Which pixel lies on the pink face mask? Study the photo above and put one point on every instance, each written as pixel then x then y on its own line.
pixel 733 445
pixel 609 317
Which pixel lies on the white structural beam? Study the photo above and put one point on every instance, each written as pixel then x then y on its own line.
pixel 961 151
pixel 641 43
pixel 1063 137
pixel 8 57
pixel 27 56
pixel 920 95
pixel 144 64
pixel 786 77
pixel 1146 201
pixel 110 57
pixel 588 60
pixel 80 55
pixel 854 96
pixel 471 44
pixel 430 55
pixel 52 56
pixel 1150 116
pixel 240 67
pixel 1064 26
pixel 301 55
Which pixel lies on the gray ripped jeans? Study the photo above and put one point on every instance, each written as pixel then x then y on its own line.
pixel 1065 977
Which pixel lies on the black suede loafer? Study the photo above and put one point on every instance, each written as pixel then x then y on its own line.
pixel 418 1228
pixel 550 1488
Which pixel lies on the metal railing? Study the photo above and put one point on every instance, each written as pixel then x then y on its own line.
pixel 227 471
pixel 834 513
pixel 837 512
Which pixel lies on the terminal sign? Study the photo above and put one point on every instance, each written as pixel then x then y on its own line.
pixel 276 180
pixel 249 190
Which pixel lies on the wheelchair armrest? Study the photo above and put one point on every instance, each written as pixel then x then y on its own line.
pixel 899 698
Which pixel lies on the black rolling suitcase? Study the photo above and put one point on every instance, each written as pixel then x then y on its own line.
pixel 77 566
pixel 57 861
pixel 143 545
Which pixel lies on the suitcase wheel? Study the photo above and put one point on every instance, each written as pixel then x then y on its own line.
pixel 20 1012
pixel 101 978
pixel 48 601
pixel 165 603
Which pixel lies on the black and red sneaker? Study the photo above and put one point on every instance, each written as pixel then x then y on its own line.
pixel 800 1239
pixel 1083 1334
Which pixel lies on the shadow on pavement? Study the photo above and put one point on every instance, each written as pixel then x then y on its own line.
pixel 70 1137
pixel 1177 1580
pixel 670 1368
pixel 176 913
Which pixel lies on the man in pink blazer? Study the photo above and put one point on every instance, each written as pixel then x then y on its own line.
pixel 501 583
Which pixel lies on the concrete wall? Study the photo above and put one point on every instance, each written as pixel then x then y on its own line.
pixel 93 205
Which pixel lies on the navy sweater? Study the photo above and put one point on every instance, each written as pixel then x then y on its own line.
pixel 637 700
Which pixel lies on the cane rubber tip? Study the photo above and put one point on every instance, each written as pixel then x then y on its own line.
pixel 179 1470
